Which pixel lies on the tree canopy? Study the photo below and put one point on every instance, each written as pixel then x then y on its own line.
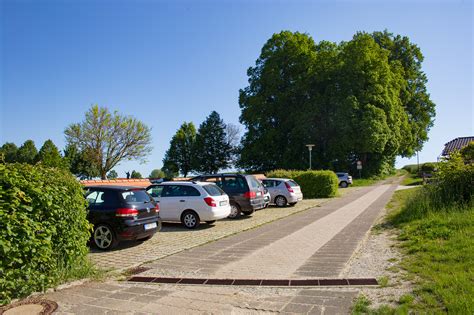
pixel 9 151
pixel 109 138
pixel 50 156
pixel 365 99
pixel 79 162
pixel 212 151
pixel 112 174
pixel 27 153
pixel 180 153
pixel 157 173
pixel 136 175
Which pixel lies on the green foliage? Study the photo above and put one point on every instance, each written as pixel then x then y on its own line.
pixel 411 168
pixel 27 153
pixel 9 151
pixel 314 184
pixel 170 169
pixel 437 234
pixel 467 153
pixel 43 229
pixel 136 175
pixel 109 138
pixel 79 163
pixel 112 174
pixel 157 173
pixel 212 151
pixel 364 99
pixel 49 156
pixel 428 167
pixel 180 154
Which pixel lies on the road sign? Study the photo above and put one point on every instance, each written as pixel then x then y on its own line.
pixel 359 165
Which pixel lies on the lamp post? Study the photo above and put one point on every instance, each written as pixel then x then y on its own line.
pixel 310 148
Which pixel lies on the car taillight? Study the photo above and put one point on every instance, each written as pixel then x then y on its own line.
pixel 210 202
pixel 250 194
pixel 126 212
pixel 288 187
pixel 157 208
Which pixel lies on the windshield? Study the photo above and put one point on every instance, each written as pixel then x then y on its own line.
pixel 136 196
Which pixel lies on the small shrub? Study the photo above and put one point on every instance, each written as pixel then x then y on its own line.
pixel 428 167
pixel 43 229
pixel 314 184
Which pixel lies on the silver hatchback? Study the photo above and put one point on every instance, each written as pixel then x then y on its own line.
pixel 283 191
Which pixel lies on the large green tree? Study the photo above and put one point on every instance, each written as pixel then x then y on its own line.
pixel 180 152
pixel 212 151
pixel 10 152
pixel 50 156
pixel 364 99
pixel 157 173
pixel 109 138
pixel 27 152
pixel 79 162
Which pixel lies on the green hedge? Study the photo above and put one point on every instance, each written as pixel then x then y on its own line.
pixel 314 184
pixel 43 228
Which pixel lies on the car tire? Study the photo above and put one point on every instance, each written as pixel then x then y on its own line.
pixel 280 201
pixel 234 211
pixel 343 184
pixel 211 222
pixel 292 204
pixel 250 212
pixel 190 219
pixel 104 237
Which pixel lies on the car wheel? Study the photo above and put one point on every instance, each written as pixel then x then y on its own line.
pixel 190 219
pixel 234 211
pixel 280 201
pixel 104 237
pixel 211 222
pixel 292 204
pixel 343 184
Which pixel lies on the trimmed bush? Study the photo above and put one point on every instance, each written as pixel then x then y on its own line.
pixel 43 229
pixel 314 184
pixel 428 167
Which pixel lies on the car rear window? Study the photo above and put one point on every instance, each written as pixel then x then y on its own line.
pixel 136 196
pixel 254 183
pixel 293 183
pixel 213 190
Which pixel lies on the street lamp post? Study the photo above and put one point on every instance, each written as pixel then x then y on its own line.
pixel 310 148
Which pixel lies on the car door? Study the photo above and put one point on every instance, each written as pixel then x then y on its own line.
pixel 102 206
pixel 172 203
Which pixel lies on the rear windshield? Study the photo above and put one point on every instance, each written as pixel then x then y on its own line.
pixel 292 183
pixel 254 183
pixel 213 190
pixel 136 196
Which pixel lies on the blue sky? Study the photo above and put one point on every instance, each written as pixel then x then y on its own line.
pixel 166 62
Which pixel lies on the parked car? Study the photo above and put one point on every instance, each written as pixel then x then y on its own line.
pixel 266 197
pixel 344 179
pixel 121 213
pixel 190 202
pixel 245 192
pixel 283 191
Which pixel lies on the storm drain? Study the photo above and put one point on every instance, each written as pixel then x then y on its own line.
pixel 259 282
pixel 30 307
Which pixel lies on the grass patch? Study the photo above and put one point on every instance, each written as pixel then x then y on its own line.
pixel 412 180
pixel 359 182
pixel 383 281
pixel 362 306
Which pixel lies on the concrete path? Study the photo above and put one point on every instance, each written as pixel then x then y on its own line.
pixel 316 243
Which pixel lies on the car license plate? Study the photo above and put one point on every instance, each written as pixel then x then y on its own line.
pixel 223 203
pixel 150 226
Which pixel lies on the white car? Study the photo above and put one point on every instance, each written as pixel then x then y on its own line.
pixel 190 202
pixel 283 191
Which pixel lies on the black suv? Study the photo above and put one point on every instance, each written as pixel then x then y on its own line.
pixel 245 192
pixel 121 213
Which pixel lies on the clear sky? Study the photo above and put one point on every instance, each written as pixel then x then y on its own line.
pixel 166 62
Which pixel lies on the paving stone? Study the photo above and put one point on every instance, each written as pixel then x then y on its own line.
pixel 88 310
pixel 297 308
pixel 122 296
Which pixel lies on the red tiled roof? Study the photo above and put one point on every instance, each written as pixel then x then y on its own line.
pixel 117 182
pixel 456 145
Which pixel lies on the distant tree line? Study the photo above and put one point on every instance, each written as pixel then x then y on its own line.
pixel 213 147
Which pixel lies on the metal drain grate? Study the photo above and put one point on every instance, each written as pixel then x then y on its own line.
pixel 259 282
pixel 36 305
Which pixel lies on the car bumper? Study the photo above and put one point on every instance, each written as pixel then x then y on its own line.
pixel 134 230
pixel 295 198
pixel 215 214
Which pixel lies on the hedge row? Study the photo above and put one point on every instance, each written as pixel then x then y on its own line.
pixel 427 167
pixel 43 228
pixel 314 184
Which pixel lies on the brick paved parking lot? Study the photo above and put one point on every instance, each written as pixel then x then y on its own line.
pixel 175 238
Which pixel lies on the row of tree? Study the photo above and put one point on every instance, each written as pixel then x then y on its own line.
pixel 211 148
pixel 48 155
